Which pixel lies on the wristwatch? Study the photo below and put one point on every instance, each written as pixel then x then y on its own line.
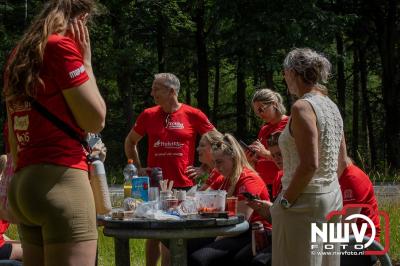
pixel 285 203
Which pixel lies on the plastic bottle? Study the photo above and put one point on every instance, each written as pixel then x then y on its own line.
pixel 259 237
pixel 98 182
pixel 130 172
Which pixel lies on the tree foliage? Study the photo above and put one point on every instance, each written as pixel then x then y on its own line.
pixel 223 50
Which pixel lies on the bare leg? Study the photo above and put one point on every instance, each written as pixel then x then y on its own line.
pixel 71 254
pixel 33 255
pixel 165 257
pixel 152 252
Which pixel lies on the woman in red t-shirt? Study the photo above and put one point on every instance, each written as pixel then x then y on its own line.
pixel 214 178
pixel 50 193
pixel 268 105
pixel 239 177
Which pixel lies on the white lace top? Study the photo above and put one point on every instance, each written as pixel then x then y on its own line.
pixel 330 128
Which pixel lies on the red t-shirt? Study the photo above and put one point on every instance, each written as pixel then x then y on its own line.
pixel 215 179
pixel 357 188
pixel 172 139
pixel 38 139
pixel 266 168
pixel 3 228
pixel 277 184
pixel 250 181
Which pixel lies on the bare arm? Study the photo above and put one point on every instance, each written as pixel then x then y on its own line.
pixel 12 140
pixel 130 146
pixel 261 207
pixel 87 106
pixel 244 209
pixel 305 132
pixel 85 101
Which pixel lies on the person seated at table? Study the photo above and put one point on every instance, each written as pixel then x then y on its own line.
pixel 9 249
pixel 214 178
pixel 230 160
pixel 357 188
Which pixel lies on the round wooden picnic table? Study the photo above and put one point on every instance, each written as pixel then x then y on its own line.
pixel 174 233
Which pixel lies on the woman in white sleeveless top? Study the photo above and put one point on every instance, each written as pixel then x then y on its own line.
pixel 310 147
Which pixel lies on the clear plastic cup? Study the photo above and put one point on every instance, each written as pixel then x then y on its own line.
pixel 154 194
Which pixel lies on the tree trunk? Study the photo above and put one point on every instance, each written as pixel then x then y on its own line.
pixel 367 109
pixel 386 24
pixel 188 95
pixel 202 60
pixel 241 99
pixel 341 81
pixel 216 92
pixel 269 81
pixel 356 99
pixel 123 76
pixel 160 43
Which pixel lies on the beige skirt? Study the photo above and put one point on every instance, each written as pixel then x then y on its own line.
pixel 291 230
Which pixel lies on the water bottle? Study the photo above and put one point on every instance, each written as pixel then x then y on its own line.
pixel 130 172
pixel 259 238
pixel 98 182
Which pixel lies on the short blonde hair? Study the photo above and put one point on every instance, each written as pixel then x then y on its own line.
pixel 268 96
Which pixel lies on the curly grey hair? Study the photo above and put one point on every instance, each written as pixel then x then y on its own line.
pixel 313 67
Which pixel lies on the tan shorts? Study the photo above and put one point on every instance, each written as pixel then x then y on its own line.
pixel 54 204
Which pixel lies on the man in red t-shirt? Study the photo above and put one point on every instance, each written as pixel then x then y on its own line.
pixel 172 128
pixel 357 188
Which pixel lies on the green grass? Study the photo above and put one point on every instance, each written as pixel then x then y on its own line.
pixel 106 248
pixel 106 244
pixel 106 251
pixel 393 209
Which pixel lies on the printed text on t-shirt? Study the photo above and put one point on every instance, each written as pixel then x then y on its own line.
pixel 75 73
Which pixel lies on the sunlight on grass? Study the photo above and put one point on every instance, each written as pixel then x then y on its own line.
pixel 106 250
pixel 106 244
pixel 393 209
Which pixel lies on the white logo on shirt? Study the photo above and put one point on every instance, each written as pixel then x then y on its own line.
pixel 175 125
pixel 77 72
pixel 168 144
pixel 21 122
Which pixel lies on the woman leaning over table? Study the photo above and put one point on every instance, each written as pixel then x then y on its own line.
pixel 310 148
pixel 50 192
pixel 239 176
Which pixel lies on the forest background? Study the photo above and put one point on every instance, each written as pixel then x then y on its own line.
pixel 223 50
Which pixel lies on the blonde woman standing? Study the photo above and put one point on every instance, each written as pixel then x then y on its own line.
pixel 267 105
pixel 310 148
